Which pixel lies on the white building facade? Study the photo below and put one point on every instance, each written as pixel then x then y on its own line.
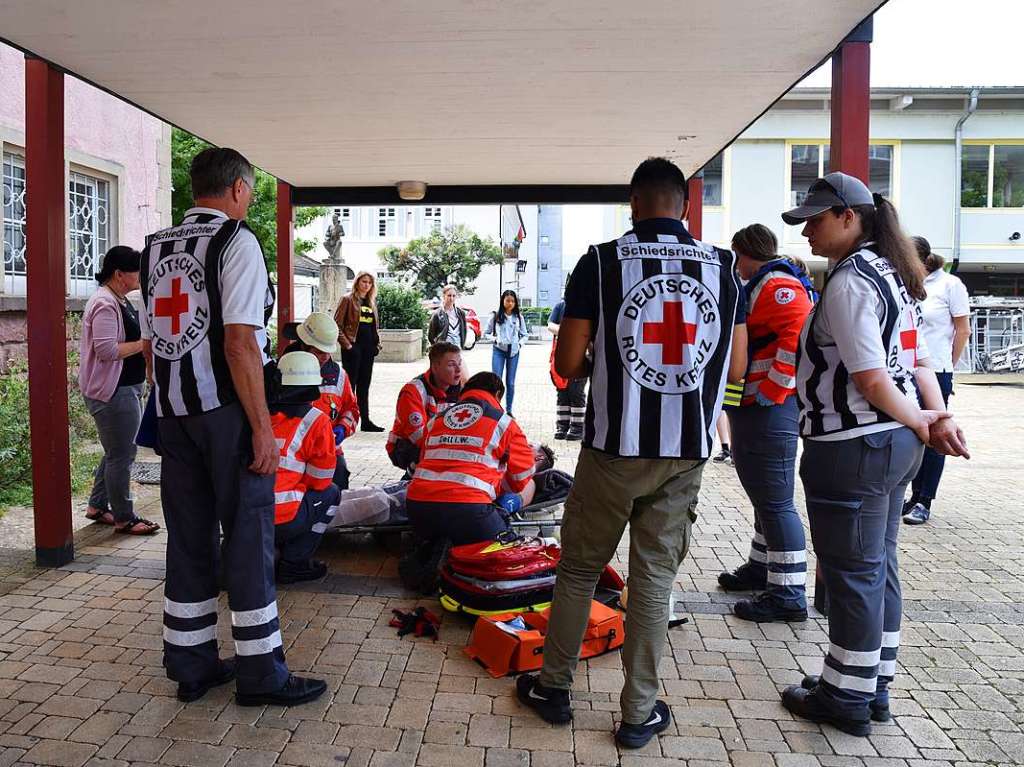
pixel 767 170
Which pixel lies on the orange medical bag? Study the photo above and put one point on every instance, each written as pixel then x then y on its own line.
pixel 503 649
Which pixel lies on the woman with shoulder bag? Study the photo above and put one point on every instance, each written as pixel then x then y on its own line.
pixel 448 323
pixel 358 335
pixel 861 363
pixel 111 376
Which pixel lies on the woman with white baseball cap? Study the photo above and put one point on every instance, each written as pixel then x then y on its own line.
pixel 860 364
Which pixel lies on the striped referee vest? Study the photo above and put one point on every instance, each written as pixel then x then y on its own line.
pixel 667 307
pixel 831 407
pixel 180 283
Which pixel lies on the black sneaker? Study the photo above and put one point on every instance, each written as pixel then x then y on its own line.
pixel 723 457
pixel 296 691
pixel 765 608
pixel 190 692
pixel 639 735
pixel 808 704
pixel 743 578
pixel 552 705
pixel 918 515
pixel 296 572
pixel 879 709
pixel 370 426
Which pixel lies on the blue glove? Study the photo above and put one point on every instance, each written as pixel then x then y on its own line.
pixel 510 502
pixel 339 434
pixel 764 401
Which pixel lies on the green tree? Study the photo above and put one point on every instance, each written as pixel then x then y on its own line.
pixel 455 255
pixel 262 218
pixel 400 307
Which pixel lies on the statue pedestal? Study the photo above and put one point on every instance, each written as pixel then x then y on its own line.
pixel 333 285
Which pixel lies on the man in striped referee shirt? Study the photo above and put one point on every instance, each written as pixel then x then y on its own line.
pixel 207 298
pixel 663 314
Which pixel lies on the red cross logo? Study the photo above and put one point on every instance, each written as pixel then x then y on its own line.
pixel 673 333
pixel 908 341
pixel 173 306
pixel 462 416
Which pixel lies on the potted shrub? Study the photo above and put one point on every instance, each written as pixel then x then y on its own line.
pixel 403 322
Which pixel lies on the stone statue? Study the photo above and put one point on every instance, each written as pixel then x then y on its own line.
pixel 332 239
pixel 333 272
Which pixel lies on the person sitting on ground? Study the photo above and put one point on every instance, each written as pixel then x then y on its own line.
pixel 305 499
pixel 421 399
pixel 473 453
pixel 317 334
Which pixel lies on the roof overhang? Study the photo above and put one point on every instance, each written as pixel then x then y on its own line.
pixel 483 101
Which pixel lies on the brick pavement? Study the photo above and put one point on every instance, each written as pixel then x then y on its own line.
pixel 80 648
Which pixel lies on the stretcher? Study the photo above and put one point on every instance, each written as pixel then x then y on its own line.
pixel 543 512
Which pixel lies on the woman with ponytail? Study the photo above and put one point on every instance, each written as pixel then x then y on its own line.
pixel 860 364
pixel 778 296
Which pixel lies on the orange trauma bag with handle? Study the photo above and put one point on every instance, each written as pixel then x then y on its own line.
pixel 511 643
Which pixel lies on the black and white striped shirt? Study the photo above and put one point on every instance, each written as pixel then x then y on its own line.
pixel 664 307
pixel 197 277
pixel 865 320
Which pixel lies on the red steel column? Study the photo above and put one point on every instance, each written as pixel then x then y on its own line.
pixel 46 231
pixel 695 218
pixel 285 270
pixel 851 103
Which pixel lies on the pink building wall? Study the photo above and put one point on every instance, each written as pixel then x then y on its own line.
pixel 101 133
pixel 106 134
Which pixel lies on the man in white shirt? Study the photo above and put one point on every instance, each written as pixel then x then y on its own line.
pixel 946 327
pixel 207 298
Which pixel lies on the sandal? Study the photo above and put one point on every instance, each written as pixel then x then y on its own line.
pixel 132 527
pixel 99 516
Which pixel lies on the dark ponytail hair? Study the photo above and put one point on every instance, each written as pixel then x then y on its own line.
pixel 756 241
pixel 119 257
pixel 932 261
pixel 881 225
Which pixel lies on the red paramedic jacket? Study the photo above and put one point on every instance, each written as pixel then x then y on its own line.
pixel 418 402
pixel 777 306
pixel 308 459
pixel 337 400
pixel 467 452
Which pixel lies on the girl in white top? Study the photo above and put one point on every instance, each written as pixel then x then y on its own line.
pixel 947 326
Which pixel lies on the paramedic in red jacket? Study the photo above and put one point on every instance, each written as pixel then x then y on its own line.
pixel 474 454
pixel 305 499
pixel 318 335
pixel 421 399
pixel 779 297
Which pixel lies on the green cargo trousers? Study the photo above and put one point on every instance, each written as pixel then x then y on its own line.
pixel 658 498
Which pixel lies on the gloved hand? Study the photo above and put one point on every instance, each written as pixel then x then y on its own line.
pixel 763 400
pixel 339 434
pixel 510 502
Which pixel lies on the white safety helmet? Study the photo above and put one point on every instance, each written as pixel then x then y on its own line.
pixel 320 331
pixel 299 369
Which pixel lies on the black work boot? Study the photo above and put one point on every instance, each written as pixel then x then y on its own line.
pixel 808 704
pixel 743 578
pixel 295 691
pixel 765 608
pixel 295 572
pixel 224 674
pixel 879 707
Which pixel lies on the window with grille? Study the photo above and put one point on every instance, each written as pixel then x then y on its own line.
pixel 387 223
pixel 88 223
pixel 14 214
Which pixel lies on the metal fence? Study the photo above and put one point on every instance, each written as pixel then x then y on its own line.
pixel 997 336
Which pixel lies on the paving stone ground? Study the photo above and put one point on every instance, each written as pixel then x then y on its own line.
pixel 81 680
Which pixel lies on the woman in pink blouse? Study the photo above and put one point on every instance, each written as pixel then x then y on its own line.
pixel 111 377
